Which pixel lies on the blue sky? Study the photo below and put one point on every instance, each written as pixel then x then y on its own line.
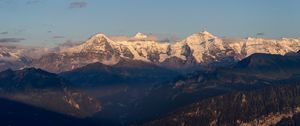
pixel 50 22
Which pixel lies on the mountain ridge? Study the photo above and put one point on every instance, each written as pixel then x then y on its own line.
pixel 23 79
pixel 198 49
pixel 201 48
pixel 47 90
pixel 124 72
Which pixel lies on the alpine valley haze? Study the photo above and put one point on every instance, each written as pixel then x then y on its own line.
pixel 149 63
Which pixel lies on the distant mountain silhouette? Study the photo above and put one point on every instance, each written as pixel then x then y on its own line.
pixel 124 72
pixel 269 66
pixel 30 78
pixel 268 61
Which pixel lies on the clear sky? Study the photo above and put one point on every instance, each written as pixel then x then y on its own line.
pixel 49 22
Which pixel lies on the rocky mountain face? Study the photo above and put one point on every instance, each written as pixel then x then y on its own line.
pixel 11 58
pixel 260 107
pixel 18 57
pixel 255 70
pixel 165 97
pixel 290 121
pixel 46 90
pixel 270 66
pixel 262 89
pixel 199 48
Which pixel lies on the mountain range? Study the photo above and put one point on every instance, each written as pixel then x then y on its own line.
pixel 201 80
pixel 245 94
pixel 201 48
pixel 124 72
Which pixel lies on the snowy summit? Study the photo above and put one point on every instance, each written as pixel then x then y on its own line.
pixel 140 35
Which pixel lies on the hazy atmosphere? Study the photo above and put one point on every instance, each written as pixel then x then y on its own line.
pixel 149 63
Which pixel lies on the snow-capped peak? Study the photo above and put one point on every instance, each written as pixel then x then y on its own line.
pixel 200 37
pixel 202 47
pixel 140 35
pixel 96 43
pixel 99 36
pixel 206 34
pixel 250 38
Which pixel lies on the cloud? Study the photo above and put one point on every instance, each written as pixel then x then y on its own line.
pixel 58 37
pixel 150 37
pixel 26 51
pixel 119 38
pixel 127 38
pixel 36 52
pixel 18 31
pixel 231 39
pixel 165 37
pixel 3 33
pixel 260 34
pixel 8 40
pixel 78 5
pixel 67 44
